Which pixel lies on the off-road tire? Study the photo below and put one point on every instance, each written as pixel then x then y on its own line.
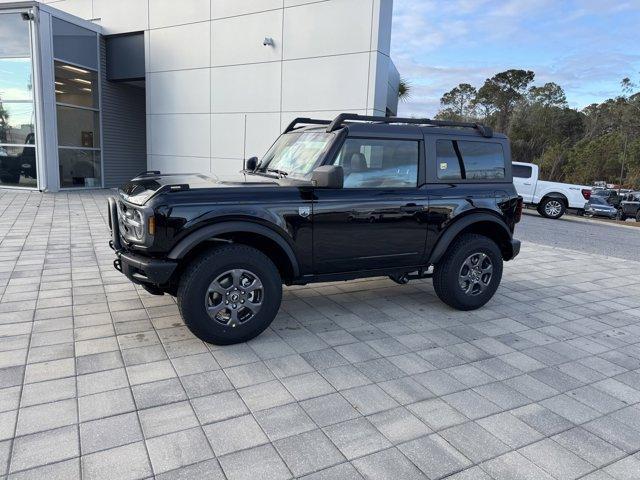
pixel 446 272
pixel 204 269
pixel 542 208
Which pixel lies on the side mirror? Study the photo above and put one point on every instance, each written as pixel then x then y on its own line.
pixel 251 164
pixel 328 176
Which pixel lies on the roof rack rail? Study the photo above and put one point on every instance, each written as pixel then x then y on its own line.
pixel 341 118
pixel 147 173
pixel 308 121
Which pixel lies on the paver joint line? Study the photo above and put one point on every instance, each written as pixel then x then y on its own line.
pixel 366 375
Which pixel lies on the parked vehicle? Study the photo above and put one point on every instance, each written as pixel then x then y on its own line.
pixel 551 199
pixel 598 207
pixel 333 200
pixel 22 164
pixel 611 197
pixel 630 206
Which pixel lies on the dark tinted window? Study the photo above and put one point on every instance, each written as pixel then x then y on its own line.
pixel 371 163
pixel 75 44
pixel 598 201
pixel 521 171
pixel 464 160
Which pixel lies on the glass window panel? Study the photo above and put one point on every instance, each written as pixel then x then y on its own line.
pixel 371 163
pixel 79 168
pixel 462 160
pixel 482 160
pixel 14 36
pixel 448 163
pixel 18 166
pixel 76 86
pixel 521 171
pixel 78 127
pixel 15 79
pixel 16 123
pixel 74 44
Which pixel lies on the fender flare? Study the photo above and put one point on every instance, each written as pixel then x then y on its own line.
pixel 207 233
pixel 454 229
pixel 558 195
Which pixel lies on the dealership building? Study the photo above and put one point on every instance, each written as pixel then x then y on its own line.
pixel 93 92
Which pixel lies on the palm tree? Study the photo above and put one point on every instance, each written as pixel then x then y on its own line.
pixel 404 89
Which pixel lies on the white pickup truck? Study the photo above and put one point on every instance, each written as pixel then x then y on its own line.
pixel 550 198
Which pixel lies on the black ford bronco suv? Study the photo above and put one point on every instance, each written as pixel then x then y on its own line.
pixel 355 197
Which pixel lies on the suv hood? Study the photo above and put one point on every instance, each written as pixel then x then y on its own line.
pixel 140 189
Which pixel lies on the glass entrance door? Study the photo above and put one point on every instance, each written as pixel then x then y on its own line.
pixel 18 166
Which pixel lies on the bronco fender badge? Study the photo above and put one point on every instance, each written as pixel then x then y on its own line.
pixel 304 211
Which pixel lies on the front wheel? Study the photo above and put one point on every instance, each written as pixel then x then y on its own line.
pixel 470 274
pixel 621 216
pixel 229 294
pixel 638 216
pixel 552 208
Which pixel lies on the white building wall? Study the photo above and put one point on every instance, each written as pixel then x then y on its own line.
pixel 207 70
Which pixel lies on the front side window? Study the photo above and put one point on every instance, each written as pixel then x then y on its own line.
pixel 296 154
pixel 374 163
pixel 467 160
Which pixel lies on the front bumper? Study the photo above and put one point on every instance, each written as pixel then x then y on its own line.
pixel 144 270
pixel 137 268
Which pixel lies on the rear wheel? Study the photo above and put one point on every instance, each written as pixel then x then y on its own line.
pixel 638 216
pixel 230 294
pixel 552 208
pixel 470 274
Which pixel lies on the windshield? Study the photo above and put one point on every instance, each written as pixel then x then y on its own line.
pixel 296 154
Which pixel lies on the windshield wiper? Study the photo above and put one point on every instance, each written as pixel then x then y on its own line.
pixel 282 173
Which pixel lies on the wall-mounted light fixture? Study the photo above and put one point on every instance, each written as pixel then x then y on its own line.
pixel 268 42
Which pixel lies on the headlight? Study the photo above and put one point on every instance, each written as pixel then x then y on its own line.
pixel 133 222
pixel 137 225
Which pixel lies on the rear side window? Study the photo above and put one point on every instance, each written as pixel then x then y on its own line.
pixel 464 160
pixel 521 171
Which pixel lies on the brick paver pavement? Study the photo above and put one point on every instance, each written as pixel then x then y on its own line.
pixel 100 380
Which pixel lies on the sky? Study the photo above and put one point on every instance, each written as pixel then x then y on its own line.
pixel 586 46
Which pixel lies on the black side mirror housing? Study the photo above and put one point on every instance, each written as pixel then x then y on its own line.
pixel 251 164
pixel 328 176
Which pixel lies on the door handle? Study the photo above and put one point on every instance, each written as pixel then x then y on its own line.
pixel 412 208
pixel 527 183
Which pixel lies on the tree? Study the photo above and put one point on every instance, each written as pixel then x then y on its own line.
pixel 404 89
pixel 549 95
pixel 4 123
pixel 600 142
pixel 459 101
pixel 502 93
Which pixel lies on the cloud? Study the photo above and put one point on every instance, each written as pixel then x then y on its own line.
pixel 586 46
